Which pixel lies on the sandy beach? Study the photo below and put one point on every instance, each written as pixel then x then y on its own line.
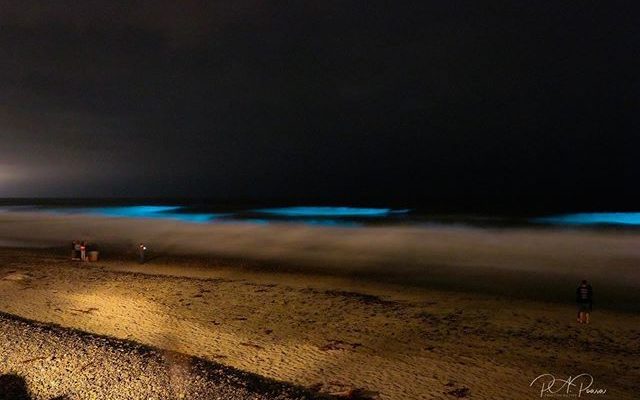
pixel 44 361
pixel 328 333
pixel 308 200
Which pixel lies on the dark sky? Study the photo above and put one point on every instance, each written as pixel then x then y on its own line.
pixel 517 103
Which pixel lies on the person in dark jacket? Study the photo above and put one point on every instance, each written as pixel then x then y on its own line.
pixel 584 298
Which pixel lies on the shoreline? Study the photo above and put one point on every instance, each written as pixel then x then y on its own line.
pixel 519 263
pixel 548 287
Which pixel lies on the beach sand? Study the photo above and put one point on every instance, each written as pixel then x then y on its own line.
pixel 44 362
pixel 328 333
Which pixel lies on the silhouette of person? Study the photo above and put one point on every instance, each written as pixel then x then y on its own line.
pixel 13 387
pixel 584 298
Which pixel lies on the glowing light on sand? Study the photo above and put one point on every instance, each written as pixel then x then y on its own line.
pixel 610 218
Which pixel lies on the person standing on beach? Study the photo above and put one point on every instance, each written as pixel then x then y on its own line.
pixel 584 298
pixel 141 253
pixel 83 251
pixel 76 250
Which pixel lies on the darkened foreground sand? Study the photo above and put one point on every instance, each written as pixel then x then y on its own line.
pixel 49 362
pixel 329 334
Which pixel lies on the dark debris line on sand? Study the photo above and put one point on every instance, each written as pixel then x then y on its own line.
pixel 39 361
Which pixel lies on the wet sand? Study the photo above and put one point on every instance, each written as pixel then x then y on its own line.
pixel 328 333
pixel 527 263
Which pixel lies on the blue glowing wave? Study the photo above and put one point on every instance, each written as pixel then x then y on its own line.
pixel 323 216
pixel 156 212
pixel 330 211
pixel 610 218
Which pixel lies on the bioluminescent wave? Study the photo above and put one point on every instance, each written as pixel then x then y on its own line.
pixel 604 218
pixel 155 212
pixel 134 211
pixel 314 216
pixel 330 211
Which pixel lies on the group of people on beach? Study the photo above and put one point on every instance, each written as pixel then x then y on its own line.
pixel 80 250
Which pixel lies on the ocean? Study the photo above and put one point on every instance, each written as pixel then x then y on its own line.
pixel 314 215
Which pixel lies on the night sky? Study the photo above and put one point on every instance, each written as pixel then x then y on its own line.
pixel 522 104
